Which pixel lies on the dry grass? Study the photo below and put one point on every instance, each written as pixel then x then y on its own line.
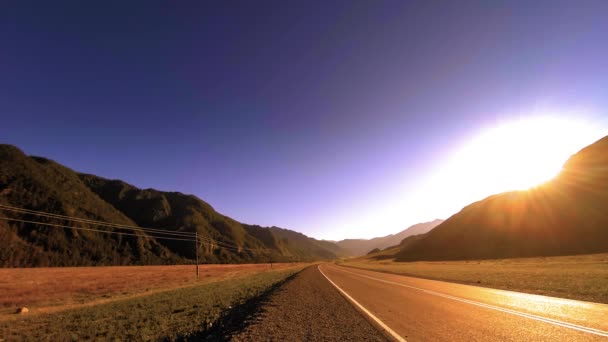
pixel 582 277
pixel 178 314
pixel 53 289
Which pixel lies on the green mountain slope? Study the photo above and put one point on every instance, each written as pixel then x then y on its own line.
pixel 40 184
pixel 568 215
pixel 43 185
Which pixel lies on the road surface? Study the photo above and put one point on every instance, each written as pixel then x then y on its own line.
pixel 414 309
pixel 308 308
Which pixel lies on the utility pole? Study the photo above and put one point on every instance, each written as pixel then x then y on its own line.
pixel 270 259
pixel 196 251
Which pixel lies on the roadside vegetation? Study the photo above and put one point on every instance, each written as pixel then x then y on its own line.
pixel 168 315
pixel 44 290
pixel 581 277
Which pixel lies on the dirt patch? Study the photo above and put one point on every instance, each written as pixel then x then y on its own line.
pixel 307 308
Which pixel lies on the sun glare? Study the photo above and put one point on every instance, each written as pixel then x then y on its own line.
pixel 522 154
pixel 515 155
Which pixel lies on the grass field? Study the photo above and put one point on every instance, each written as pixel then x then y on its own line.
pixel 44 290
pixel 582 277
pixel 165 315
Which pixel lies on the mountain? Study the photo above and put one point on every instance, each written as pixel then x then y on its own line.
pixel 39 184
pixel 567 215
pixel 358 247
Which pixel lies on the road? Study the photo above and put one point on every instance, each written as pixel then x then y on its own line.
pixel 307 308
pixel 415 309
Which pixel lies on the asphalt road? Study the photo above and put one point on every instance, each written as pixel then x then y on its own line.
pixel 416 309
pixel 307 308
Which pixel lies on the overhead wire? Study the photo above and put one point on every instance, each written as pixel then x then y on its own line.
pixel 104 231
pixel 91 229
pixel 154 230
pixel 226 245
pixel 190 236
pixel 101 223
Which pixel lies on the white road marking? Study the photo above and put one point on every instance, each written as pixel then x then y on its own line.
pixel 493 307
pixel 376 319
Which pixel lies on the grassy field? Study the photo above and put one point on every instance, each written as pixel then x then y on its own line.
pixel 582 277
pixel 44 290
pixel 166 315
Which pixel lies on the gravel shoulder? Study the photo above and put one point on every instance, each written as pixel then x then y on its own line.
pixel 307 308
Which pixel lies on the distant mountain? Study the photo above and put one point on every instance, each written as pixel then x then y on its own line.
pixel 43 185
pixel 358 247
pixel 568 215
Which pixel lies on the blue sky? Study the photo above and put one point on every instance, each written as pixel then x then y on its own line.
pixel 309 115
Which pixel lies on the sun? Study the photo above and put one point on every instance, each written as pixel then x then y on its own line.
pixel 521 154
pixel 511 155
pixel 514 155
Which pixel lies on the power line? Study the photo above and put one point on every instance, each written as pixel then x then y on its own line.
pixel 91 229
pixel 232 247
pixel 101 223
pixel 189 236
pixel 229 246
pixel 108 232
pixel 145 232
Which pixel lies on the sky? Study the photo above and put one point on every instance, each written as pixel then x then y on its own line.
pixel 332 118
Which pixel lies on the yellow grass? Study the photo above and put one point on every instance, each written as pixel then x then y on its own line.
pixel 582 277
pixel 58 288
pixel 185 313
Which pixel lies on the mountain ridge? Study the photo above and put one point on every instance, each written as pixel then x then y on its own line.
pixel 40 184
pixel 359 247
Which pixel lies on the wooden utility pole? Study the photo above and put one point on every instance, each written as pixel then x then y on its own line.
pixel 196 251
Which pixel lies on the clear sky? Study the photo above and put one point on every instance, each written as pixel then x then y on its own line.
pixel 326 117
